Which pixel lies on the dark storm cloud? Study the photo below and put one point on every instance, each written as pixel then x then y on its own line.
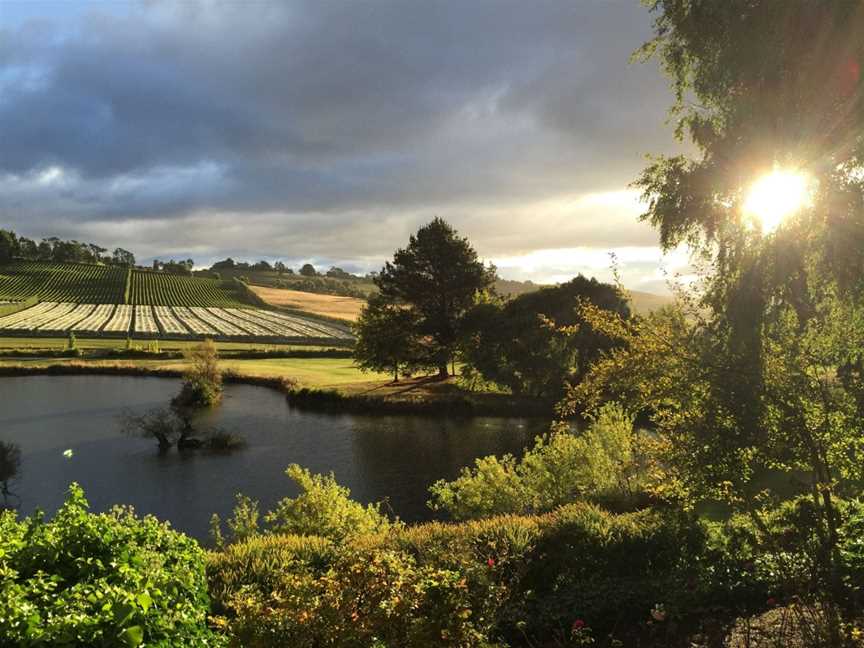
pixel 341 114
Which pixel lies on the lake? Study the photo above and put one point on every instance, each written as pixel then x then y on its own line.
pixel 378 457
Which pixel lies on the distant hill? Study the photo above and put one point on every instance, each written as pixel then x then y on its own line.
pixel 642 302
pixel 359 287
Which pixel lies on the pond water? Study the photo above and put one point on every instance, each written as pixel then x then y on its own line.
pixel 378 457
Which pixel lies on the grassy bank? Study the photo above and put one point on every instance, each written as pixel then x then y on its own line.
pixel 332 384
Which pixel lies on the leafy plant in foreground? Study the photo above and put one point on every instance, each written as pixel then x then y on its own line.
pixel 109 579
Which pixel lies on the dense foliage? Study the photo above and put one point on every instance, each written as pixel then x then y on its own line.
pixel 759 376
pixel 536 343
pixel 322 508
pixel 110 579
pixel 561 467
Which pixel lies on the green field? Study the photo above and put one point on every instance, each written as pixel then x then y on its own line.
pixel 63 282
pixel 158 289
pixel 85 283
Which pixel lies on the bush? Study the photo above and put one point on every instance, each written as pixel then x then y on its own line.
pixel 109 579
pixel 222 441
pixel 324 508
pixel 513 580
pixel 202 381
pixel 258 564
pixel 561 468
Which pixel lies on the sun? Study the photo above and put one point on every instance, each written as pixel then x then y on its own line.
pixel 776 196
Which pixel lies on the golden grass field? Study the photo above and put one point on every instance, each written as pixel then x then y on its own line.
pixel 345 308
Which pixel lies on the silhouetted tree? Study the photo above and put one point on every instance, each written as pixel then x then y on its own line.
pixel 536 343
pixel 387 337
pixel 438 275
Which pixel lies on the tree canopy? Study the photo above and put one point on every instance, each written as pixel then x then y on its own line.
pixel 536 343
pixel 760 373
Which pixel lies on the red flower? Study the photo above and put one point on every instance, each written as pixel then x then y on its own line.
pixel 771 602
pixel 491 562
pixel 578 624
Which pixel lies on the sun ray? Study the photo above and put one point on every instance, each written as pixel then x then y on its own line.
pixel 776 196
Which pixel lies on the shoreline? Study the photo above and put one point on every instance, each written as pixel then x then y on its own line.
pixel 330 400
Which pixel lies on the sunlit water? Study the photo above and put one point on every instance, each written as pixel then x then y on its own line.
pixel 394 458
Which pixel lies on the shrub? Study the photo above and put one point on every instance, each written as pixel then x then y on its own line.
pixel 222 441
pixel 517 580
pixel 258 563
pixel 109 579
pixel 202 381
pixel 559 469
pixel 371 597
pixel 324 508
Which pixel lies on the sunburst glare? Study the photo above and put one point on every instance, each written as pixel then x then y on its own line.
pixel 776 196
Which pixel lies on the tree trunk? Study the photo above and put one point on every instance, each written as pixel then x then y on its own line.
pixel 396 373
pixel 442 370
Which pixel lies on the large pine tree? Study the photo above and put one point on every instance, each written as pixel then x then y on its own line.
pixel 438 275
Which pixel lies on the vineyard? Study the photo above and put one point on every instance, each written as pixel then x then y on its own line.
pixel 170 322
pixel 62 282
pixel 157 289
pixel 41 298
pixel 103 284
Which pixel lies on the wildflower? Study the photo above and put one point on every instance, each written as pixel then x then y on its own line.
pixel 658 612
pixel 491 562
pixel 578 624
pixel 771 602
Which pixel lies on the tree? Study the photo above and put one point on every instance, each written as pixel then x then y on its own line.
pixel 27 248
pixel 536 343
pixel 339 273
pixel 160 424
pixel 438 275
pixel 10 465
pixel 227 264
pixel 279 267
pixel 387 337
pixel 763 372
pixel 8 246
pixel 308 270
pixel 123 257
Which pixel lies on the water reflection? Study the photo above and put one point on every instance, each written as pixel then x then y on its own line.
pixel 394 457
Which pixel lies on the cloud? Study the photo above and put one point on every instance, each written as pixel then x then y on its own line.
pixel 319 129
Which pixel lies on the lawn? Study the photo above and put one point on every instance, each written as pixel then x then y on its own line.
pixel 321 373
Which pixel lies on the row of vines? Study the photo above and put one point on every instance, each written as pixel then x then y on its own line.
pixel 101 284
pixel 157 289
pixel 62 282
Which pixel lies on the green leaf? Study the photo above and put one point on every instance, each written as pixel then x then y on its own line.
pixel 122 612
pixel 144 601
pixel 133 636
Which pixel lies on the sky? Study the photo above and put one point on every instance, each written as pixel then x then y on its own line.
pixel 327 132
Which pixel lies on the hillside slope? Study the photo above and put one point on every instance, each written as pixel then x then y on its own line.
pixel 344 308
pixel 89 283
